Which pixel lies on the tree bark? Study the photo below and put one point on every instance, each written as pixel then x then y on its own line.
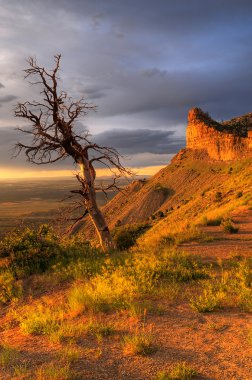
pixel 95 214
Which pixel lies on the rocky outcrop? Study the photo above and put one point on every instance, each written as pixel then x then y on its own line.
pixel 229 140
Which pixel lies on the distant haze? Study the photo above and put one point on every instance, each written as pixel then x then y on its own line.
pixel 144 63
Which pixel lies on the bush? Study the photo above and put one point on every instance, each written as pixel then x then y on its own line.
pixel 10 289
pixel 126 236
pixel 206 302
pixel 239 194
pixel 30 251
pixel 228 226
pixel 79 261
pixel 218 196
pixel 212 221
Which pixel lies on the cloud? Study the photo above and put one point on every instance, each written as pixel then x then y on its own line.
pixel 143 147
pixel 95 92
pixel 129 141
pixel 143 63
pixel 7 99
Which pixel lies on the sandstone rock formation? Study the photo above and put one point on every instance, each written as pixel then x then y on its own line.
pixel 229 140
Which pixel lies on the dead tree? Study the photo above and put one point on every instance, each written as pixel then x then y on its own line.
pixel 54 137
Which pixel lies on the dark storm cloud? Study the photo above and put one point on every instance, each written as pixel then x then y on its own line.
pixel 143 63
pixel 129 141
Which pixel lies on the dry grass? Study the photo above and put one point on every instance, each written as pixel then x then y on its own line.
pixel 139 342
pixel 180 371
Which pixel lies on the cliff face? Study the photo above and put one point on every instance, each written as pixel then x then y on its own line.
pixel 229 140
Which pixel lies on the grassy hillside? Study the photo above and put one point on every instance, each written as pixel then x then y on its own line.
pixel 188 191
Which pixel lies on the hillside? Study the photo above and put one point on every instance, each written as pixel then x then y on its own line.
pixel 191 188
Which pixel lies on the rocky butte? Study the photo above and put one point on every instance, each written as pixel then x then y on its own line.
pixel 225 141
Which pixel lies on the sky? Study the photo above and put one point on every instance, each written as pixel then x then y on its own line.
pixel 143 63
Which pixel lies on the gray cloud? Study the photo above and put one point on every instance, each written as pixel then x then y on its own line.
pixel 143 147
pixel 143 63
pixel 129 141
pixel 95 92
pixel 7 99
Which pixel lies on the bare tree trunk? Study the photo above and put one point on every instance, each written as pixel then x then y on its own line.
pixel 96 215
pixel 99 222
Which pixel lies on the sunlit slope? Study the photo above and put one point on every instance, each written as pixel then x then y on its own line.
pixel 191 187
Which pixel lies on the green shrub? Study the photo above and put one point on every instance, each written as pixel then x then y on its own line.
pixel 228 226
pixel 30 251
pixel 218 196
pixel 210 298
pixel 239 194
pixel 126 236
pixel 79 261
pixel 10 289
pixel 212 221
pixel 206 302
pixel 245 299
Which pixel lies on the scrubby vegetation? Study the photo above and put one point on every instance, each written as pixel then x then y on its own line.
pixel 228 226
pixel 129 283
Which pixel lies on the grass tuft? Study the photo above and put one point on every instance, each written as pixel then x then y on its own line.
pixel 180 371
pixel 40 320
pixel 53 371
pixel 141 342
pixel 100 329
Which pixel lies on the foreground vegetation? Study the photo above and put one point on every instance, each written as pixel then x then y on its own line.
pixel 67 293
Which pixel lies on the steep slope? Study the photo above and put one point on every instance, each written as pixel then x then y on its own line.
pixel 183 190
